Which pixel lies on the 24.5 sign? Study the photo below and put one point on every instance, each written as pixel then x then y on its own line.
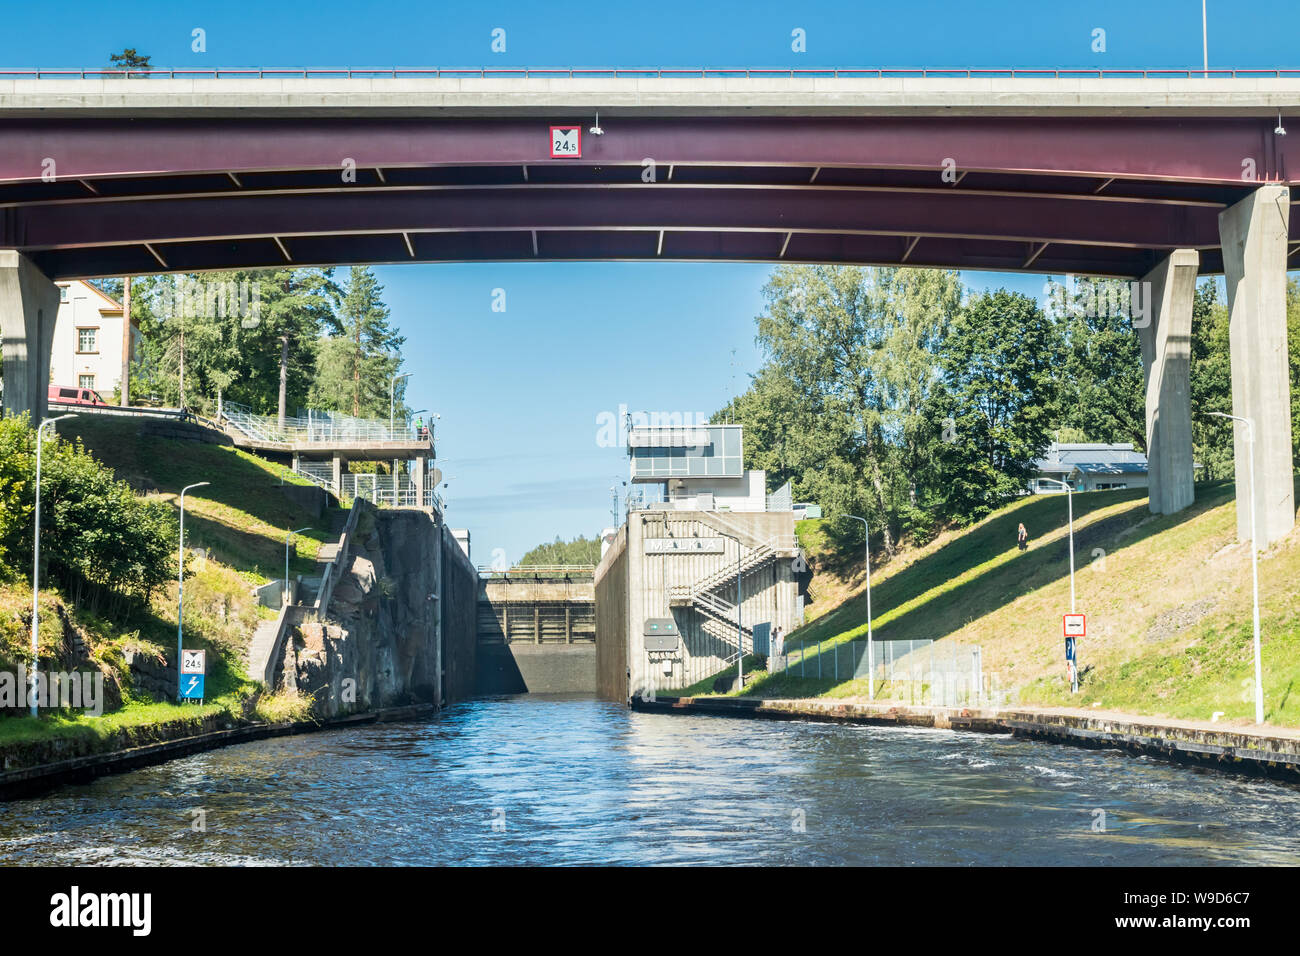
pixel 192 662
pixel 566 142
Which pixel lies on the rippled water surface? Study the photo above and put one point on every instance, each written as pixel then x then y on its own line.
pixel 536 780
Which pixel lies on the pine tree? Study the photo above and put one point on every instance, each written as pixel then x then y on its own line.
pixel 358 359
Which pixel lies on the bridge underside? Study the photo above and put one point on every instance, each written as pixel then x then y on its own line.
pixel 1082 195
pixel 1132 194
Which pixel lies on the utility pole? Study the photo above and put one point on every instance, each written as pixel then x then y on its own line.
pixel 36 566
pixel 180 588
pixel 1205 43
pixel 1254 556
pixel 284 375
pixel 866 570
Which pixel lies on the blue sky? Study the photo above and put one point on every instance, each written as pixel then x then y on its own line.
pixel 520 391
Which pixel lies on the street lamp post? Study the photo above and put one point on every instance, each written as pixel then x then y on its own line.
pixel 1069 498
pixel 1205 43
pixel 392 392
pixel 36 562
pixel 871 653
pixel 740 636
pixel 180 587
pixel 1254 556
pixel 285 598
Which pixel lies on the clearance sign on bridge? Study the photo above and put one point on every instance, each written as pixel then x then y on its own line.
pixel 566 142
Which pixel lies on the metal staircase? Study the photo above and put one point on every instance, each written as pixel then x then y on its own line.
pixel 718 613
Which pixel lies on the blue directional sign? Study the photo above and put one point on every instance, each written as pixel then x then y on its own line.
pixel 192 686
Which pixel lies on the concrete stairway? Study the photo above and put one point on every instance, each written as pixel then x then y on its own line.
pixel 260 650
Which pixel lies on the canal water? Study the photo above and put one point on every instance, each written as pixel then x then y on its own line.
pixel 541 781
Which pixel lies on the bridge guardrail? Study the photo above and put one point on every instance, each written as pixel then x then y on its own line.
pixel 529 72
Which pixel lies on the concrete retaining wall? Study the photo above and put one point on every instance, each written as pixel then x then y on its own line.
pixel 459 611
pixel 611 621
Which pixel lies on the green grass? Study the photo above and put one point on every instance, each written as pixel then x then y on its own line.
pixel 134 715
pixel 240 518
pixel 1167 598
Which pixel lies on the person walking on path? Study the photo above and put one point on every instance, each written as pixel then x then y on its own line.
pixel 1022 537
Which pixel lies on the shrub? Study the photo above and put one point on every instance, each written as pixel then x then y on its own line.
pixel 103 545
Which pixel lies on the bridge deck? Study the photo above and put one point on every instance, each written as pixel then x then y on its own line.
pixel 1049 174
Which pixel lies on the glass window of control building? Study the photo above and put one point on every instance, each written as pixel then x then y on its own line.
pixel 706 451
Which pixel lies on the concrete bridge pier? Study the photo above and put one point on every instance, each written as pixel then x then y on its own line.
pixel 339 468
pixel 418 469
pixel 1254 237
pixel 1166 362
pixel 29 306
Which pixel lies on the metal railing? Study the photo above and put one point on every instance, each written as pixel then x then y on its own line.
pixel 531 72
pixel 940 673
pixel 640 501
pixel 395 491
pixel 538 570
pixel 319 428
pixel 318 473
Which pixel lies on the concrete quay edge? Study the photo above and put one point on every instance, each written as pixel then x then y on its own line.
pixel 32 781
pixel 1273 753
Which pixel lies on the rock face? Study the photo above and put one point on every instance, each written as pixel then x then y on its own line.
pixel 379 645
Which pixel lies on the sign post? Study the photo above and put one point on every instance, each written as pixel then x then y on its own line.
pixel 1075 626
pixel 193 669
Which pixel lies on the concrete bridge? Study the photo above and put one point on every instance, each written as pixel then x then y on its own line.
pixel 1145 176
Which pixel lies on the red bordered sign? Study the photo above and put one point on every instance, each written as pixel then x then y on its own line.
pixel 566 142
pixel 1075 625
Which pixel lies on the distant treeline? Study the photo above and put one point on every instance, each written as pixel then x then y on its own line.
pixel 580 550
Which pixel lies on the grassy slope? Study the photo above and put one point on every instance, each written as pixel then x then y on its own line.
pixel 241 518
pixel 1168 601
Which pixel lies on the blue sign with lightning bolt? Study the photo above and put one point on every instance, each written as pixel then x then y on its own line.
pixel 192 686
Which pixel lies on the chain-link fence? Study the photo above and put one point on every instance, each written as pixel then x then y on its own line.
pixel 942 673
